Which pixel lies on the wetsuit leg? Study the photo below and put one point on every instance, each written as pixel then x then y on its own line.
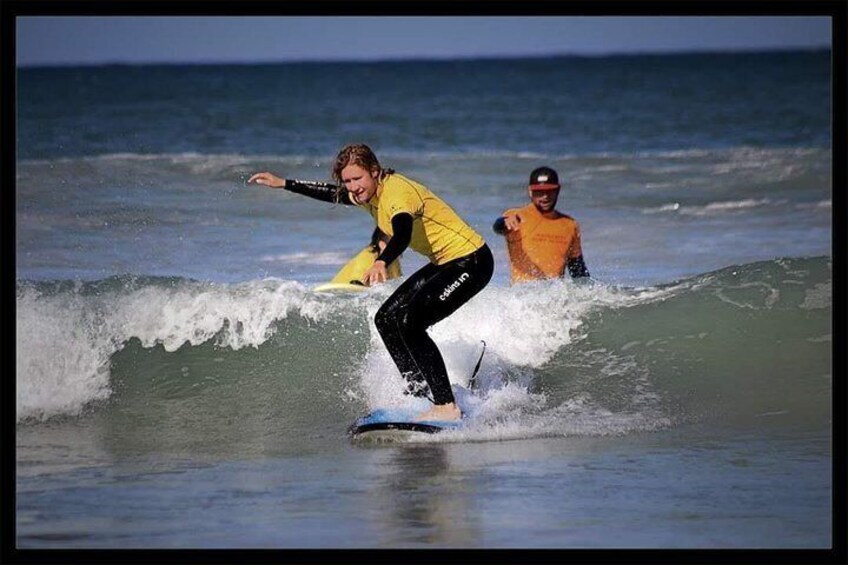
pixel 430 295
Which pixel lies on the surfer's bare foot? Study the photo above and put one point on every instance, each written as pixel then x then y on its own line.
pixel 441 412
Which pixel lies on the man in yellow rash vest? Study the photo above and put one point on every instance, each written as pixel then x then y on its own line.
pixel 461 264
pixel 353 271
pixel 542 243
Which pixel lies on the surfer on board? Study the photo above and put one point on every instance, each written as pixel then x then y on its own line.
pixel 542 243
pixel 460 263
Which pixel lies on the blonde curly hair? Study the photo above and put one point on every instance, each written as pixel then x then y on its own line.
pixel 357 154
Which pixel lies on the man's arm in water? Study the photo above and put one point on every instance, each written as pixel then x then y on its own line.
pixel 577 267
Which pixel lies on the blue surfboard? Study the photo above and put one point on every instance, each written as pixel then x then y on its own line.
pixel 396 423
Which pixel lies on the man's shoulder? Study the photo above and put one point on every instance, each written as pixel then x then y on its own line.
pixel 511 211
pixel 565 222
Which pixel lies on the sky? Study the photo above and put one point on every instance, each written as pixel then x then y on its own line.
pixel 69 40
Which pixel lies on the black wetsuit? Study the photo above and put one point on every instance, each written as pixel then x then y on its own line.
pixel 428 296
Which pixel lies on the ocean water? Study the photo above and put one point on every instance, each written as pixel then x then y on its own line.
pixel 180 385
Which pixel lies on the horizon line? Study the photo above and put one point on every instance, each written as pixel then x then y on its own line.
pixel 437 58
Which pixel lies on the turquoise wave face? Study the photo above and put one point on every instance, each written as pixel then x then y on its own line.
pixel 269 365
pixel 749 345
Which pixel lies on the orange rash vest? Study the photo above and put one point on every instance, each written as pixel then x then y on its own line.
pixel 541 247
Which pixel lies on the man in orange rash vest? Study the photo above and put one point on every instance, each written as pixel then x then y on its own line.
pixel 542 242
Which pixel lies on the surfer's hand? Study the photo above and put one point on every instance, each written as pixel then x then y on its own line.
pixel 267 179
pixel 512 222
pixel 376 274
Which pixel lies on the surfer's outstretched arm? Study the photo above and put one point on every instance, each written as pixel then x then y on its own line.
pixel 324 191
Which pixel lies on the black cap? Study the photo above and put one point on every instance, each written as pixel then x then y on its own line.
pixel 544 178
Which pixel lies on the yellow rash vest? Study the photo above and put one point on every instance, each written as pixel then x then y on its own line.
pixel 438 232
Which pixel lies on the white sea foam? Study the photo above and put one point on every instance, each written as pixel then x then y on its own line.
pixel 523 327
pixel 64 341
pixel 322 258
pixel 62 355
pixel 713 208
pixel 819 205
pixel 820 296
